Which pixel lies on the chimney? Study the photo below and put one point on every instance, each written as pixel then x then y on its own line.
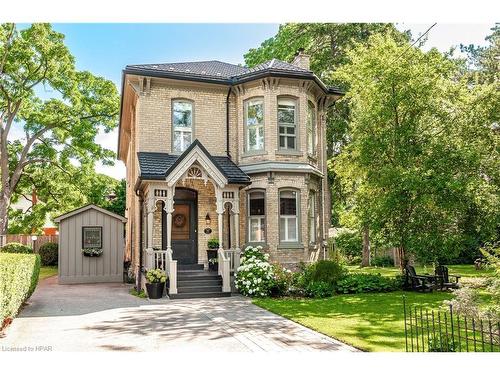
pixel 302 60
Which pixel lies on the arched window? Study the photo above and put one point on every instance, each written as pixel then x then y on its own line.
pixel 256 216
pixel 287 124
pixel 182 125
pixel 311 129
pixel 254 125
pixel 289 217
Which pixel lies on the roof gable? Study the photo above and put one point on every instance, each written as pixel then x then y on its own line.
pixel 86 208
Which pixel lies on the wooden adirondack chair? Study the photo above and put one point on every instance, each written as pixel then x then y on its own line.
pixel 419 283
pixel 443 278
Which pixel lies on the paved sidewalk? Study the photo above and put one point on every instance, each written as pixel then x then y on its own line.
pixel 97 317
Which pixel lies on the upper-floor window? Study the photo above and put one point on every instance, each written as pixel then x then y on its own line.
pixel 311 215
pixel 289 220
pixel 287 124
pixel 254 125
pixel 311 129
pixel 182 121
pixel 256 216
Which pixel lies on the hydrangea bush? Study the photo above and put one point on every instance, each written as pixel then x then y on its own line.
pixel 156 275
pixel 255 276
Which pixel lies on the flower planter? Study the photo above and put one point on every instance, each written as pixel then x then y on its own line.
pixel 212 254
pixel 91 256
pixel 155 290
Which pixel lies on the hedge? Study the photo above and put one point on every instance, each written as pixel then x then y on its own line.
pixel 15 247
pixel 18 279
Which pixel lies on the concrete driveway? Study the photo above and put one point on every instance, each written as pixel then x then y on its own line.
pixel 100 317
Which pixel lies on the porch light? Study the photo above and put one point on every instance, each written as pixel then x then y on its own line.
pixel 207 219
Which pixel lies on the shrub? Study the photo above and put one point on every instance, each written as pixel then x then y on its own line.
pixel 255 276
pixel 318 289
pixel 362 283
pixel 15 247
pixel 328 271
pixel 383 261
pixel 49 254
pixel 18 279
pixel 213 243
pixel 282 281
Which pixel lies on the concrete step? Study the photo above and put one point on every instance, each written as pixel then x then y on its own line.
pixel 200 295
pixel 190 267
pixel 196 282
pixel 199 289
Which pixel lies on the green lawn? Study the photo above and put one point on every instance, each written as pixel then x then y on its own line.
pixel 370 321
pixel 47 271
pixel 465 270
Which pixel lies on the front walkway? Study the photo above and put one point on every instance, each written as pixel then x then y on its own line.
pixel 96 317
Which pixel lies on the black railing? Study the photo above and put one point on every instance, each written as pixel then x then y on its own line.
pixel 445 331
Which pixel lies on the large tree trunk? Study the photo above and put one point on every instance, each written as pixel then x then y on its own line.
pixel 4 219
pixel 365 261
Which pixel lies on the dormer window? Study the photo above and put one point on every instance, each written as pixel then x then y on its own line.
pixel 254 124
pixel 287 116
pixel 182 125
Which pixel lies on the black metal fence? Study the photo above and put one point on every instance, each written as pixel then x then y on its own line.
pixel 445 331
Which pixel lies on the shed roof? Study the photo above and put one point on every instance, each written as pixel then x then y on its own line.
pixel 86 208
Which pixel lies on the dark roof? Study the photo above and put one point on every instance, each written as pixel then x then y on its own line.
pixel 225 73
pixel 158 165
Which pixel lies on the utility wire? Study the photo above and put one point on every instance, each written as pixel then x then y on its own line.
pixel 415 42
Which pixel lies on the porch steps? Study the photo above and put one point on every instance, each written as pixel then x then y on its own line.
pixel 194 282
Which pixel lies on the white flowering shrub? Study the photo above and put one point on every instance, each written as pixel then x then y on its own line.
pixel 255 276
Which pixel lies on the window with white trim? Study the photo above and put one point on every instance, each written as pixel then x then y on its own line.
pixel 310 129
pixel 311 215
pixel 287 124
pixel 256 216
pixel 182 124
pixel 289 225
pixel 254 118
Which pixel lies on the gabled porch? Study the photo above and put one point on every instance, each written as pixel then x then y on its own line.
pixel 195 193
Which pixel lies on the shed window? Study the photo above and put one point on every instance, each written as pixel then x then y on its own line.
pixel 92 237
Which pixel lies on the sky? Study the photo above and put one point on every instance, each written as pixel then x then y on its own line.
pixel 105 49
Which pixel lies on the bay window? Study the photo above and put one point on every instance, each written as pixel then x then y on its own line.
pixel 182 125
pixel 311 129
pixel 287 124
pixel 289 226
pixel 256 216
pixel 254 124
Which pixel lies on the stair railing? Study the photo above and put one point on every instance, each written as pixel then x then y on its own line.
pixel 224 270
pixel 171 270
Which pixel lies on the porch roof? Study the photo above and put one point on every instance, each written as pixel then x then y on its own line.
pixel 158 165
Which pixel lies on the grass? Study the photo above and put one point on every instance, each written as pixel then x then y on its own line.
pixel 369 321
pixel 465 270
pixel 47 271
pixel 141 294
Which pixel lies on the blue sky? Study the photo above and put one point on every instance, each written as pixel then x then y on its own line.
pixel 105 49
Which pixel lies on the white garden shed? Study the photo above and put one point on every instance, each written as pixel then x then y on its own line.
pixel 101 234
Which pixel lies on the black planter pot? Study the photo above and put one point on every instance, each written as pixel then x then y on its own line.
pixel 212 254
pixel 213 267
pixel 155 290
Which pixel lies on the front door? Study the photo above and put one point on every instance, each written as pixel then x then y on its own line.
pixel 184 236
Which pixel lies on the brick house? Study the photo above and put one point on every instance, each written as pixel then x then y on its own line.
pixel 216 150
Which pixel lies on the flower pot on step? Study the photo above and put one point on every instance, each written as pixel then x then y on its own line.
pixel 155 290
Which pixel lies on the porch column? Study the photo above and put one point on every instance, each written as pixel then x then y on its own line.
pixel 169 208
pixel 236 215
pixel 150 209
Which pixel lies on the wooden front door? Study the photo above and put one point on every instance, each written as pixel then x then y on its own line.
pixel 184 232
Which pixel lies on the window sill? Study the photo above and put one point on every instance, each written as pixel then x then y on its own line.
pixel 291 245
pixel 249 154
pixel 289 153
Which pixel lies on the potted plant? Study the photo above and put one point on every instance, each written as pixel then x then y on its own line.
pixel 92 252
pixel 213 246
pixel 155 282
pixel 213 264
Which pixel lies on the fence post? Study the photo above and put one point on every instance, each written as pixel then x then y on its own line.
pixel 406 330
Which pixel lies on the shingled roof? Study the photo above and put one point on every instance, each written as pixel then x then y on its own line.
pixel 158 165
pixel 225 73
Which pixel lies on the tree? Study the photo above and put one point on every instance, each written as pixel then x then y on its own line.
pixel 117 204
pixel 59 131
pixel 422 150
pixel 484 62
pixel 327 44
